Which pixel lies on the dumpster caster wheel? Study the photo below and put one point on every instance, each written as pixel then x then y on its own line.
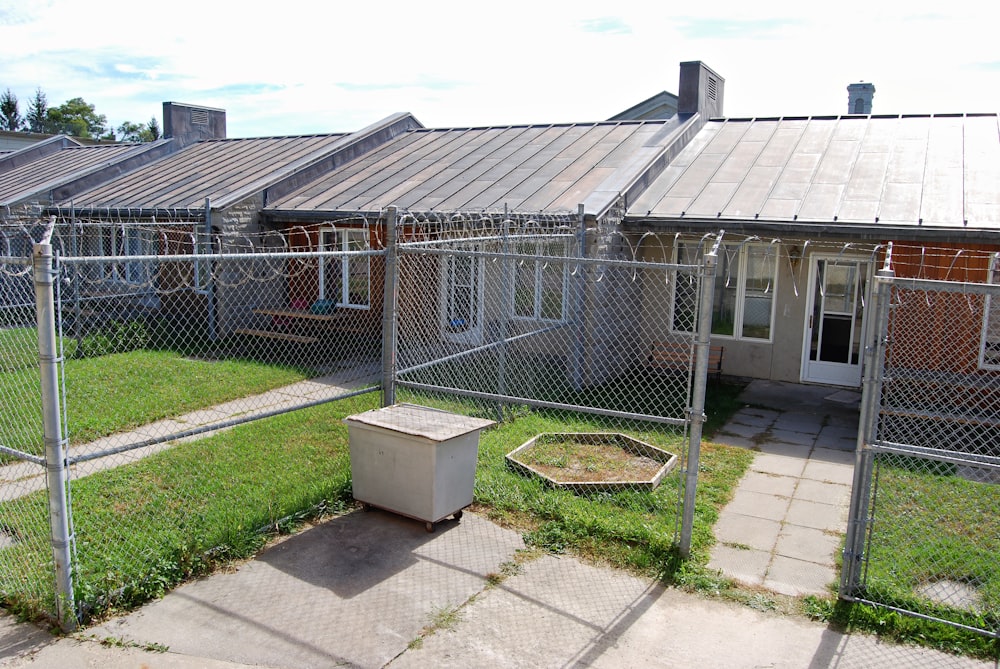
pixel 458 515
pixel 429 526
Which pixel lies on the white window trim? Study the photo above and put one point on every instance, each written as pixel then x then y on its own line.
pixel 742 260
pixel 538 285
pixel 342 241
pixel 474 333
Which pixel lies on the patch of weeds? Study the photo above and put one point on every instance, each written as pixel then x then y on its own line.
pixel 507 569
pixel 760 602
pixel 445 618
pixel 737 546
pixel 118 642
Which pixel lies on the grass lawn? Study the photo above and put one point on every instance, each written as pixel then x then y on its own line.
pixel 144 527
pixel 932 529
pixel 121 391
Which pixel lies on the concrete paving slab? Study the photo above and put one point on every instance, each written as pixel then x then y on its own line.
pixel 826 517
pixel 830 472
pixel 772 484
pixel 758 504
pixel 836 494
pixel 771 447
pixel 758 418
pixel 758 533
pixel 753 415
pixel 797 421
pixel 792 437
pixel 808 544
pixel 795 578
pixel 782 465
pixel 746 565
pixel 749 432
pixel 355 590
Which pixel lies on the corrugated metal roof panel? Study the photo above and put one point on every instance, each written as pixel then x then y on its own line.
pixel 941 171
pixel 211 168
pixel 525 168
pixel 36 178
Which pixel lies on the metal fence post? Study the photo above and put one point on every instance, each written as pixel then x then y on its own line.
pixel 703 341
pixel 857 517
pixel 390 300
pixel 55 445
pixel 506 288
pixel 578 289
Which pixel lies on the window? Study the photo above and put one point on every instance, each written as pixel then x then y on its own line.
pixel 114 241
pixel 461 296
pixel 540 286
pixel 345 280
pixel 989 355
pixel 743 303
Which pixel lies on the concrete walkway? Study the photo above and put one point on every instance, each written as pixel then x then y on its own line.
pixel 375 590
pixel 783 529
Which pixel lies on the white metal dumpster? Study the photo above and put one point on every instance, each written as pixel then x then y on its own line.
pixel 413 460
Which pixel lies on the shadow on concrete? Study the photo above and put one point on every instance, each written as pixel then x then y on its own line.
pixel 353 553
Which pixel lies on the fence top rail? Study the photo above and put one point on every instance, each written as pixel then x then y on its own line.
pixel 216 257
pixel 574 260
pixel 938 285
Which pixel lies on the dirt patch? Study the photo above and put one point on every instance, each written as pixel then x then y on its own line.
pixel 598 459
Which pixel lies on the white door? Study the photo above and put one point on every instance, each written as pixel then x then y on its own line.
pixel 833 349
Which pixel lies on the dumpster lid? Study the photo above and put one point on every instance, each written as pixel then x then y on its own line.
pixel 421 421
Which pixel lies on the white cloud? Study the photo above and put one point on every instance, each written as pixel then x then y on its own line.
pixel 303 67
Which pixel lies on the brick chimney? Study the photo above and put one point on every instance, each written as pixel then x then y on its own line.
pixel 700 90
pixel 191 123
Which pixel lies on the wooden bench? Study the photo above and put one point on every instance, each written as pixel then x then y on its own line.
pixel 351 321
pixel 276 334
pixel 675 356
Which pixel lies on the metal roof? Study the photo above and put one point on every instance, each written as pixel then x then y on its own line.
pixel 531 169
pixel 940 171
pixel 224 170
pixel 36 178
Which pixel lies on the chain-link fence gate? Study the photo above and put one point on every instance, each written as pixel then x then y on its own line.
pixel 26 556
pixel 514 320
pixel 204 380
pixel 924 534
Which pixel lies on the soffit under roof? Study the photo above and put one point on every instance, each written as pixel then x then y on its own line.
pixel 938 171
pixel 530 169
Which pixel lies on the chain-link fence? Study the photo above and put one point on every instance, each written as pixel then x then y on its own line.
pixel 169 337
pixel 585 362
pixel 926 514
pixel 204 380
pixel 26 563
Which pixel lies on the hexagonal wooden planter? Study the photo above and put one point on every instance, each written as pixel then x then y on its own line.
pixel 592 461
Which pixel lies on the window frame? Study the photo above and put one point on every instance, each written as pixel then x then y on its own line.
pixel 539 267
pixel 740 260
pixel 342 243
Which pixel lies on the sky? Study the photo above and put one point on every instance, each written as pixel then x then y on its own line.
pixel 296 67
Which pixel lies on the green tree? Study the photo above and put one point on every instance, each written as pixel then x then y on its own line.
pixel 38 109
pixel 135 132
pixel 76 117
pixel 10 114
